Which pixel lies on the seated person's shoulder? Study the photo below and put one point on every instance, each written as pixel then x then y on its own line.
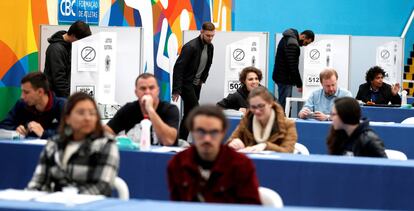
pixel 166 107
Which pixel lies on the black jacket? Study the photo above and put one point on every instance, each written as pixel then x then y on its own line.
pixel 186 66
pixel 57 64
pixel 384 97
pixel 235 100
pixel 286 68
pixel 362 142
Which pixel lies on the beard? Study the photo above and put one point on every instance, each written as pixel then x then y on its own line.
pixel 300 42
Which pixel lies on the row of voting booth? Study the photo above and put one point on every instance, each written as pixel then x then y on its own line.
pixel 106 64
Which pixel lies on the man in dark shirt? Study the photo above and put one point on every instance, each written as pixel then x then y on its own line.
pixel 209 171
pixel 163 115
pixel 58 57
pixel 191 71
pixel 38 112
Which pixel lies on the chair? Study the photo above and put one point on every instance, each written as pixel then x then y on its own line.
pixel 395 155
pixel 301 149
pixel 287 104
pixel 407 121
pixel 122 188
pixel 270 198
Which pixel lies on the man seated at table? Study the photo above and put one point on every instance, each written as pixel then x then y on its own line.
pixel 209 171
pixel 163 115
pixel 376 91
pixel 320 102
pixel 37 113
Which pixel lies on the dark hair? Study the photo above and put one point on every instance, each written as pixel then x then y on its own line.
pixel 207 110
pixel 327 74
pixel 349 111
pixel 373 72
pixel 208 26
pixel 79 29
pixel 247 70
pixel 309 34
pixel 37 80
pixel 73 100
pixel 145 76
pixel 263 93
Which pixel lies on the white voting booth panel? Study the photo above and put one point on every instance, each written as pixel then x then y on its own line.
pixel 327 51
pixel 93 66
pixel 232 52
pixel 368 51
pixel 128 54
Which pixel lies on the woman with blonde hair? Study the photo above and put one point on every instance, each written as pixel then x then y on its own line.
pixel 264 127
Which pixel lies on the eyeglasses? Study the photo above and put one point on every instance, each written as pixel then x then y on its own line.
pixel 333 114
pixel 259 106
pixel 200 132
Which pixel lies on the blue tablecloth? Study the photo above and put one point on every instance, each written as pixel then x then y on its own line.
pixel 313 135
pixel 381 114
pixel 142 205
pixel 318 180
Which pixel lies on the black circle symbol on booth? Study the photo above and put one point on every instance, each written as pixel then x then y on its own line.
pixel 385 54
pixel 88 54
pixel 238 54
pixel 314 54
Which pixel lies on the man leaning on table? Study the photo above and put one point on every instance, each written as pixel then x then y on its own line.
pixel 38 112
pixel 320 102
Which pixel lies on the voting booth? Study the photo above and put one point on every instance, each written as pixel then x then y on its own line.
pixel 351 57
pixel 233 51
pixel 126 60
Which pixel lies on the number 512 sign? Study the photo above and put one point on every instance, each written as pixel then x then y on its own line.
pixel 312 80
pixel 233 86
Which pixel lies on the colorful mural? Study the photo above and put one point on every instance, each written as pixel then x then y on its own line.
pixel 162 20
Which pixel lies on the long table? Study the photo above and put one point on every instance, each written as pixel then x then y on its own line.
pixel 382 114
pixel 144 205
pixel 313 135
pixel 316 180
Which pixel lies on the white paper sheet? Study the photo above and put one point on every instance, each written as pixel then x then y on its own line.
pixel 20 195
pixel 69 198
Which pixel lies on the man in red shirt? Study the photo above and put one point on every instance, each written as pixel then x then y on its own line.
pixel 209 171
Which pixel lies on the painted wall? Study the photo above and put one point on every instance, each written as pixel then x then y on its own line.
pixel 353 17
pixel 163 21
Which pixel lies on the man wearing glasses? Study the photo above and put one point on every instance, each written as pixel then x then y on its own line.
pixel 210 171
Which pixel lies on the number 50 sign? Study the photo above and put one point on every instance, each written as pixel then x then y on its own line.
pixel 233 86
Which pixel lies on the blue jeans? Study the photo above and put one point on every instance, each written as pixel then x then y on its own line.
pixel 284 91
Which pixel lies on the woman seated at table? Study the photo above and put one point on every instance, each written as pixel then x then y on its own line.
pixel 80 155
pixel 349 136
pixel 375 91
pixel 264 127
pixel 249 78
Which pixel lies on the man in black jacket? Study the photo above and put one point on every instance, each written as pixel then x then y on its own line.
pixel 191 71
pixel 58 57
pixel 286 68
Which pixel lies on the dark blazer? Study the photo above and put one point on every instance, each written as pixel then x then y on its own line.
pixel 286 69
pixel 235 100
pixel 186 66
pixel 385 95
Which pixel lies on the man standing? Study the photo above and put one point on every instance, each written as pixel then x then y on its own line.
pixel 163 115
pixel 58 57
pixel 191 71
pixel 286 68
pixel 320 102
pixel 209 171
pixel 38 112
